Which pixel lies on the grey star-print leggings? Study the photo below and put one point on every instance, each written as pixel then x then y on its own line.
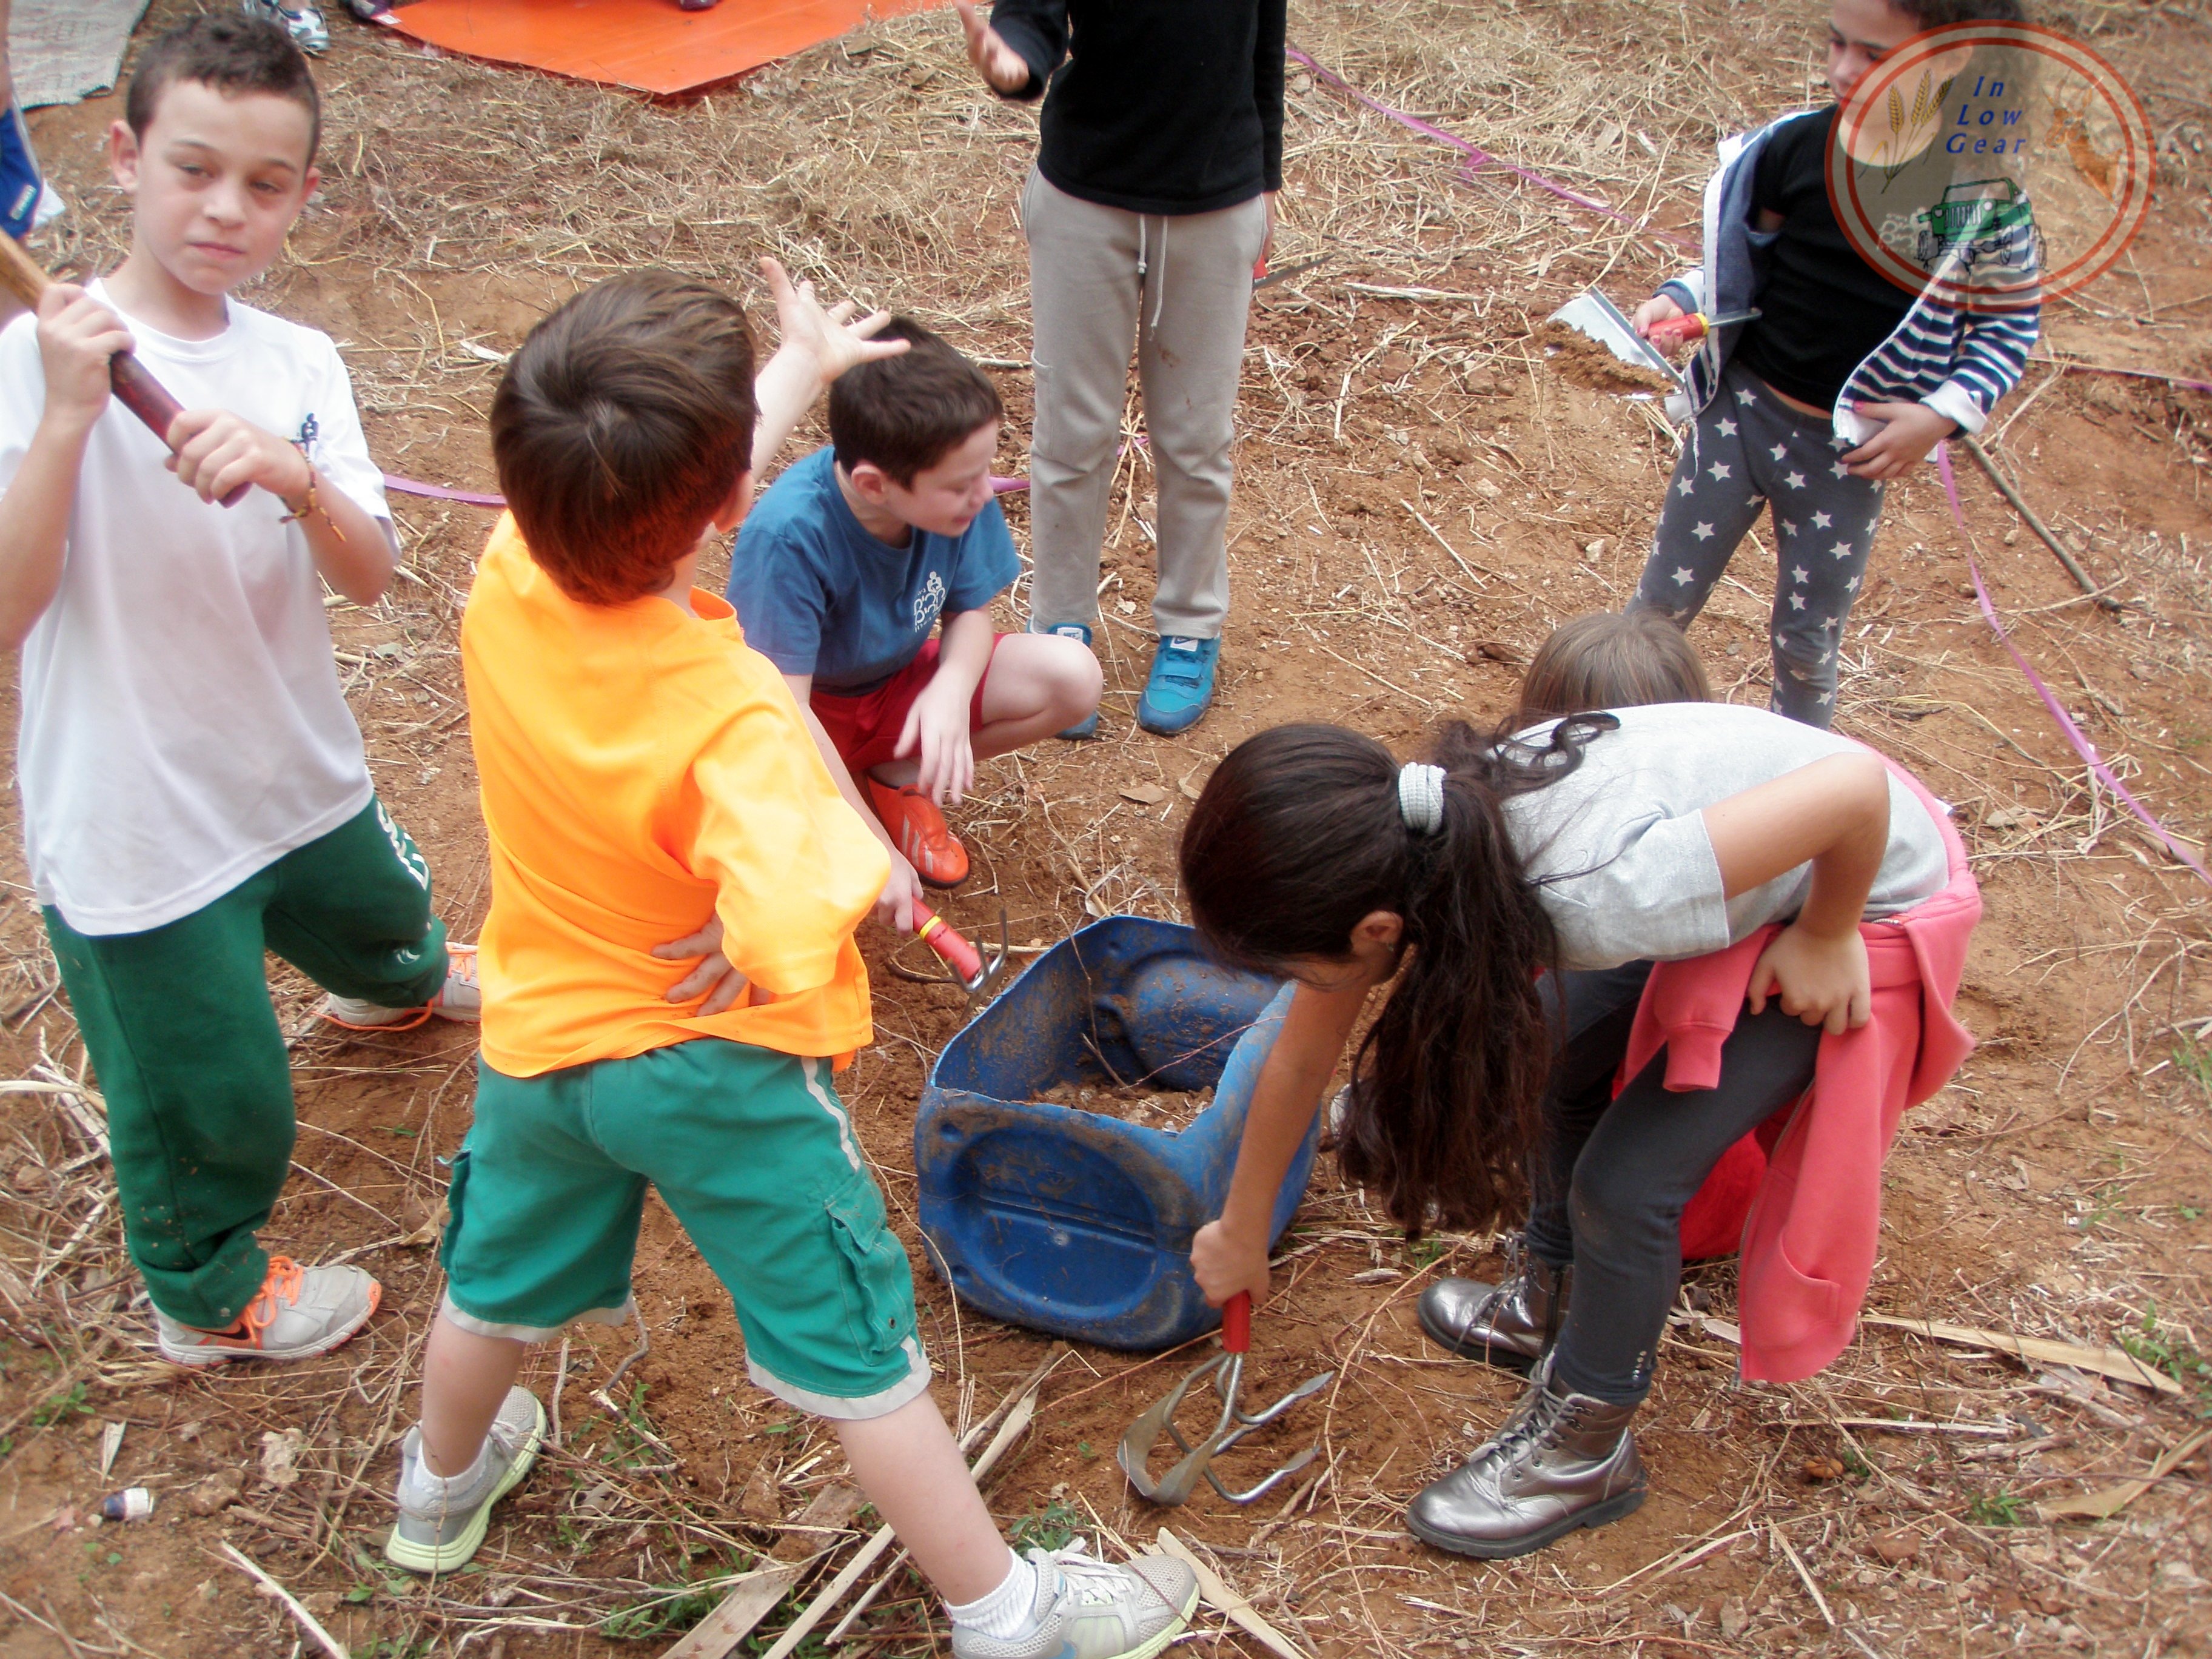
pixel 1748 448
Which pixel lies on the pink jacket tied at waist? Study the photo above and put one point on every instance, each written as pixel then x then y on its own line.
pixel 1810 1241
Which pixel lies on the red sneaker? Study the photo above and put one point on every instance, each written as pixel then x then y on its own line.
pixel 920 832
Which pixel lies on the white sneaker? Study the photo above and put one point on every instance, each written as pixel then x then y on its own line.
pixel 1088 1609
pixel 300 1312
pixel 304 23
pixel 442 1522
pixel 460 998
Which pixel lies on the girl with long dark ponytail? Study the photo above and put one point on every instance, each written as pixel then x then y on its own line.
pixel 1513 895
pixel 1313 816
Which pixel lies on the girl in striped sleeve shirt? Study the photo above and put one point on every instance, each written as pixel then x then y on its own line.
pixel 1838 383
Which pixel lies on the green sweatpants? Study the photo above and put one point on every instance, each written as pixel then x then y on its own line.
pixel 184 1042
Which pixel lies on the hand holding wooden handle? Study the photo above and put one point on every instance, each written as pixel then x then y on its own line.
pixel 135 389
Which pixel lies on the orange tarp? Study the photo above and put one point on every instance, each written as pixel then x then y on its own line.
pixel 650 45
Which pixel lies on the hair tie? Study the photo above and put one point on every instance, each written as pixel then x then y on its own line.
pixel 1421 797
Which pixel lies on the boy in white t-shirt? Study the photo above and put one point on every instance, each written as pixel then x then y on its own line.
pixel 193 787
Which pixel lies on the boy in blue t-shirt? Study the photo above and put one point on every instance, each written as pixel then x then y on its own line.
pixel 846 566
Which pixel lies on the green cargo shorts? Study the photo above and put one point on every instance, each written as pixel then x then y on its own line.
pixel 753 1153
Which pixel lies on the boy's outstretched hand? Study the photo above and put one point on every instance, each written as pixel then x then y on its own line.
pixel 833 338
pixel 1908 432
pixel 1003 69
pixel 215 453
pixel 77 336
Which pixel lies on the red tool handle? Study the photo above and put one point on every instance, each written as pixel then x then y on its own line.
pixel 1237 1323
pixel 933 930
pixel 135 389
pixel 1676 330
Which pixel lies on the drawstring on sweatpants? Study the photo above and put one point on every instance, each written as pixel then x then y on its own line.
pixel 1144 265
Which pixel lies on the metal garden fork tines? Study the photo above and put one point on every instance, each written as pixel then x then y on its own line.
pixel 1226 1368
pixel 977 974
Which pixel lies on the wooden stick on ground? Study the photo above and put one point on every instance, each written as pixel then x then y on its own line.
pixel 759 1593
pixel 2105 601
pixel 756 1595
pixel 306 1621
pixel 1227 1602
pixel 1013 1429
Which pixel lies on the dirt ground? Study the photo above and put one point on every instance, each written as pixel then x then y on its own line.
pixel 1422 495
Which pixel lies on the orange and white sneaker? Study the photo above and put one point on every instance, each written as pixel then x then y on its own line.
pixel 300 1312
pixel 459 999
pixel 920 832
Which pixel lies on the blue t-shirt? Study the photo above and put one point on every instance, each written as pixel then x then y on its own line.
pixel 816 594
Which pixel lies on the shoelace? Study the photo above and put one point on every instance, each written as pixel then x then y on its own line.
pixel 1532 1423
pixel 285 1278
pixel 1089 1583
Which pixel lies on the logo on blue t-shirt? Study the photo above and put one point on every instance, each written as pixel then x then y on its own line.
pixel 929 602
pixel 817 595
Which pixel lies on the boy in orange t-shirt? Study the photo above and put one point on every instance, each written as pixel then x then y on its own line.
pixel 646 776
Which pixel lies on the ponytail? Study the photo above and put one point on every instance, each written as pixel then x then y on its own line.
pixel 1298 836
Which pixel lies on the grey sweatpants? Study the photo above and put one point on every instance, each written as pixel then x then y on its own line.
pixel 1746 449
pixel 1614 1176
pixel 1178 286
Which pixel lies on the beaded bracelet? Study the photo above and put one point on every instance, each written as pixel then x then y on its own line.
pixel 312 504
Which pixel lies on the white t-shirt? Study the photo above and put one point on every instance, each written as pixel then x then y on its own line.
pixel 182 726
pixel 1619 847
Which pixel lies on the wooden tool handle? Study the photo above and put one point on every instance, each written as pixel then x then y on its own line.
pixel 933 930
pixel 135 389
pixel 21 274
pixel 1237 1323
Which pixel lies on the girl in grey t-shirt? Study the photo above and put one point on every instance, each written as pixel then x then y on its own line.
pixel 1515 897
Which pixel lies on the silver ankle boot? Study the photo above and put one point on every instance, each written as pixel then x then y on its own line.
pixel 1562 1461
pixel 1509 1325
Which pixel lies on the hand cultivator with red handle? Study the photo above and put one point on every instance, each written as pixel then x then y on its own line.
pixel 1227 1370
pixel 973 972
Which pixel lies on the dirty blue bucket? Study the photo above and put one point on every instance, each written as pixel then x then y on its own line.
pixel 1075 1222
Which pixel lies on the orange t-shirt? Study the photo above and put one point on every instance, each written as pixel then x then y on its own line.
pixel 643 768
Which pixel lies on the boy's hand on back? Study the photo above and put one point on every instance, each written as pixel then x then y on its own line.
pixel 720 984
pixel 216 453
pixel 936 726
pixel 1003 69
pixel 833 338
pixel 77 336
pixel 1910 431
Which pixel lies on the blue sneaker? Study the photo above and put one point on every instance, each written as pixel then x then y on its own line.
pixel 1180 688
pixel 1086 728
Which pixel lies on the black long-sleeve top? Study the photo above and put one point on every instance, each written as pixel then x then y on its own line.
pixel 1155 105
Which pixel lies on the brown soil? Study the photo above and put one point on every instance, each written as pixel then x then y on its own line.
pixel 1420 499
pixel 1132 1103
pixel 1580 360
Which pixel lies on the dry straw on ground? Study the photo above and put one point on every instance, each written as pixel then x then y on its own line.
pixel 1442 490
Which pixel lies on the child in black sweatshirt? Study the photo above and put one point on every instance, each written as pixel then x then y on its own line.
pixel 1151 200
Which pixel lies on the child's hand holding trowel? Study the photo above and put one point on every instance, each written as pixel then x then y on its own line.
pixel 1668 327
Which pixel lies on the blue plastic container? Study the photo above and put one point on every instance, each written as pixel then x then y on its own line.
pixel 1075 1222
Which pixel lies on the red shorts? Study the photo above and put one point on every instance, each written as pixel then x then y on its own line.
pixel 865 727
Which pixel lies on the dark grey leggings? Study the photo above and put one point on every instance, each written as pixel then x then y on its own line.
pixel 1614 1176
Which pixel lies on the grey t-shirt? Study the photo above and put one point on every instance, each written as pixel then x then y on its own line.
pixel 1622 837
